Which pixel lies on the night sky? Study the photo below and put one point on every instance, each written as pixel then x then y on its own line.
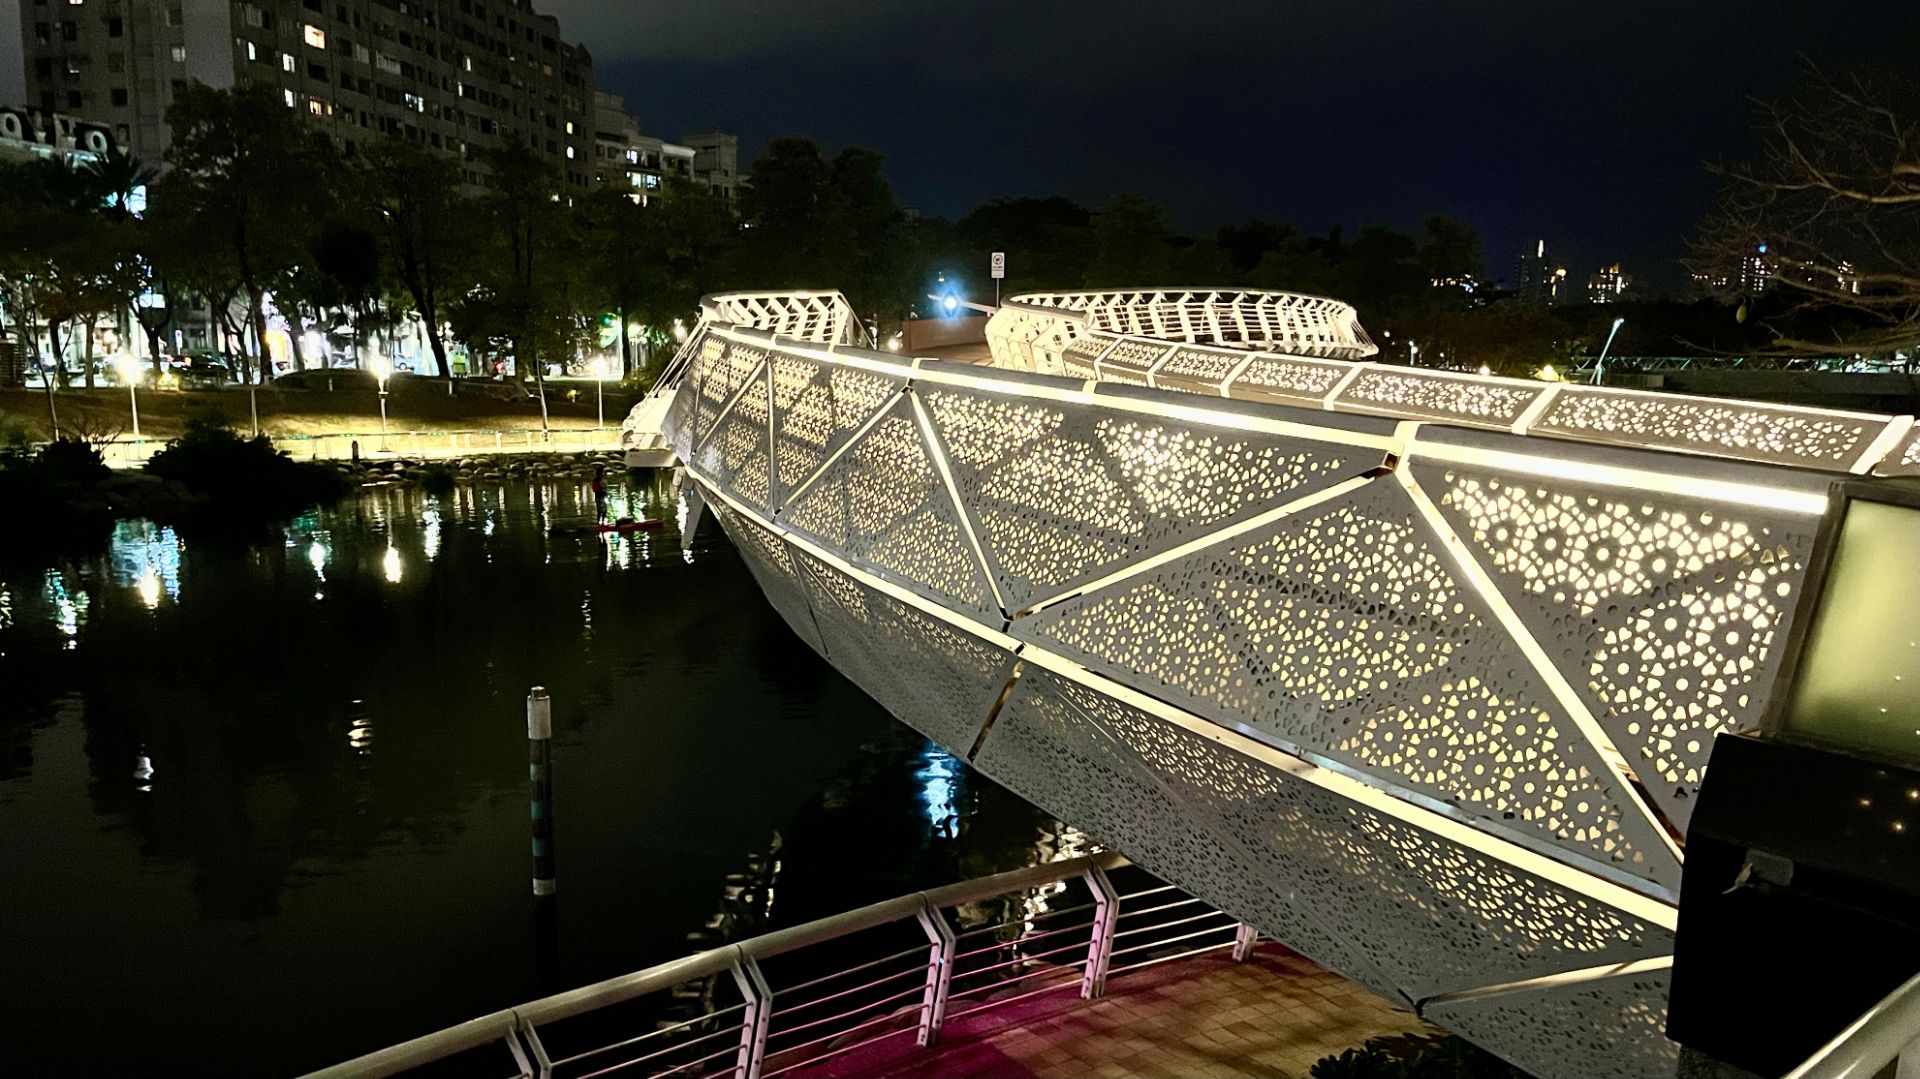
pixel 1585 124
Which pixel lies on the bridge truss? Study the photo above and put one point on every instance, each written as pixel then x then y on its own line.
pixel 1416 672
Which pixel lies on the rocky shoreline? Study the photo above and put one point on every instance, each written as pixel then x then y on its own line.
pixel 486 468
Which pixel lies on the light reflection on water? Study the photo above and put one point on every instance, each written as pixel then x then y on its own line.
pixel 307 753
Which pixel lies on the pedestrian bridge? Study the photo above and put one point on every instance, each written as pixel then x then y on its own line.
pixel 1416 671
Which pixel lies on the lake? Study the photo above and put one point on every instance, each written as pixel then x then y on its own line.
pixel 263 799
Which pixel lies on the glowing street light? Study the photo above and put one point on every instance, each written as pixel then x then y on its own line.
pixel 1600 365
pixel 602 367
pixel 130 373
pixel 950 303
pixel 382 370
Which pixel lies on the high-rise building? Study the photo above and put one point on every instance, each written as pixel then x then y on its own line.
pixel 1542 282
pixel 1607 284
pixel 455 75
pixel 632 160
pixel 1756 270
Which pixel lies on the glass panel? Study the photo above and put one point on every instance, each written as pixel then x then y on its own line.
pixel 1858 683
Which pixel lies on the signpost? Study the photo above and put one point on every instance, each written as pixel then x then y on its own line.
pixel 999 265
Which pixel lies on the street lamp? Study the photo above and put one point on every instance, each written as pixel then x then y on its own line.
pixel 1600 364
pixel 381 371
pixel 152 312
pixel 130 371
pixel 601 368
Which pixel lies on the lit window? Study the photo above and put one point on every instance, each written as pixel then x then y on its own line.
pixel 569 127
pixel 314 36
pixel 179 53
pixel 318 107
pixel 289 94
pixel 253 53
pixel 286 61
pixel 633 157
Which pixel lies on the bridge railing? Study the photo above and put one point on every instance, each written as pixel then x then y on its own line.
pixel 896 972
pixel 1131 338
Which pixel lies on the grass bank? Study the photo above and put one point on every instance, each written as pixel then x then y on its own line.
pixel 352 404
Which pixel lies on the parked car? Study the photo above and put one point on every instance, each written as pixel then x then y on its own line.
pixel 201 371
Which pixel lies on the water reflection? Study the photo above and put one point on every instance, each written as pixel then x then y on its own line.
pixel 189 771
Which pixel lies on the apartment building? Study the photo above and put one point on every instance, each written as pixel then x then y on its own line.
pixel 634 161
pixel 456 75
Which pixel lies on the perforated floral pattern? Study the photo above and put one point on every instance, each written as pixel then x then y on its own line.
pixel 1612 1028
pixel 1060 500
pixel 1343 633
pixel 1300 378
pixel 1755 432
pixel 1468 400
pixel 736 454
pixel 817 408
pixel 882 504
pixel 939 680
pixel 1200 364
pixel 1669 617
pixel 1429 916
pixel 774 570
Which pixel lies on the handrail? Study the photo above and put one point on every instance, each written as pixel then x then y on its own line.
pixel 1885 1032
pixel 518 1027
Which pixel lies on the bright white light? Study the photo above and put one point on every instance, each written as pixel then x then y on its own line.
pixel 1547 373
pixel 380 368
pixel 1485 370
pixel 392 565
pixel 893 343
pixel 128 367
pixel 149 588
pixel 679 330
pixel 317 557
pixel 951 303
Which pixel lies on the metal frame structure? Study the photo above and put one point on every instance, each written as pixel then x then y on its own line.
pixel 1349 650
pixel 962 967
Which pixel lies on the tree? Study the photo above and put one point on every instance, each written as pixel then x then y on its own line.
pixel 1830 213
pixel 528 296
pixel 427 240
pixel 248 174
pixel 1049 242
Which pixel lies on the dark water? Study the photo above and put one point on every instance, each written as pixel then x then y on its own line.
pixel 263 804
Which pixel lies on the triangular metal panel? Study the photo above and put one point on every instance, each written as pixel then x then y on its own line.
pixel 736 456
pixel 1605 1028
pixel 937 679
pixel 817 407
pixel 882 505
pixel 1667 615
pixel 1344 632
pixel 1410 914
pixel 1063 496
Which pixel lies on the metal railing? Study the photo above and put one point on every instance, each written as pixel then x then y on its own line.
pixel 133 452
pixel 898 971
pixel 1886 1032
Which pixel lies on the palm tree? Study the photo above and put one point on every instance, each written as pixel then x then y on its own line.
pixel 114 177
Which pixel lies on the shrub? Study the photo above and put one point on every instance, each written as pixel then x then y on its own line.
pixel 1415 1056
pixel 71 460
pixel 243 476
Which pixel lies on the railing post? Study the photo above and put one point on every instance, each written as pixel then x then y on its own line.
pixel 933 1003
pixel 753 1024
pixel 1244 938
pixel 1106 911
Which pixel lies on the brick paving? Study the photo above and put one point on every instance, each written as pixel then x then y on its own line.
pixel 1273 1015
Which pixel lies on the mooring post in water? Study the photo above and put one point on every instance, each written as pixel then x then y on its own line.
pixel 540 782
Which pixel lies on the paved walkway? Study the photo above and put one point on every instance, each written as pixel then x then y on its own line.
pixel 1274 1015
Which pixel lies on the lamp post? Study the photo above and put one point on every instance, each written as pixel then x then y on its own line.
pixel 130 371
pixel 152 312
pixel 1600 365
pixel 381 370
pixel 600 389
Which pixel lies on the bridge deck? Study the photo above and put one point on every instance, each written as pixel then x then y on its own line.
pixel 1273 1015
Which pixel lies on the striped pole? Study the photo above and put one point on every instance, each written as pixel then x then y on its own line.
pixel 540 781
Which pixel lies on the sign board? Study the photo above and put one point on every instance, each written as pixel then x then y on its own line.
pixel 999 265
pixel 56 132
